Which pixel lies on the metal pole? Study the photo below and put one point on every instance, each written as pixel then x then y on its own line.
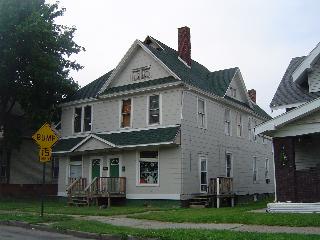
pixel 42 190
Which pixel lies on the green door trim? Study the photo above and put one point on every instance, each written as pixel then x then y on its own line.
pixel 95 168
pixel 114 167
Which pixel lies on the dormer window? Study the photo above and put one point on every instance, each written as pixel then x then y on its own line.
pixel 233 92
pixel 142 73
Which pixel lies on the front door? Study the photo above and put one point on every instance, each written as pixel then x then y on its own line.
pixel 95 168
pixel 114 167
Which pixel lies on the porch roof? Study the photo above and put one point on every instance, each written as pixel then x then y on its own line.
pixel 124 139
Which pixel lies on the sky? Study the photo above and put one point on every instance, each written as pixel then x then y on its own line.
pixel 259 37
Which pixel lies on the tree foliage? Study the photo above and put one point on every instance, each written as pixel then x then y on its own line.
pixel 35 64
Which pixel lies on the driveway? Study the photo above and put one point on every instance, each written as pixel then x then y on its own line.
pixel 17 233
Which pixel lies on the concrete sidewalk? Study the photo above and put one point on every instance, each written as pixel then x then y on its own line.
pixel 150 224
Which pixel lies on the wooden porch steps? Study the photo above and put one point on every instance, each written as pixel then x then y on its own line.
pixel 200 201
pixel 78 201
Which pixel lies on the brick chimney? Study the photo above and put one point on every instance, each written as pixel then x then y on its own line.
pixel 184 45
pixel 253 95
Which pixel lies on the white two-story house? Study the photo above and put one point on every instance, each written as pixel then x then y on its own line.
pixel 165 124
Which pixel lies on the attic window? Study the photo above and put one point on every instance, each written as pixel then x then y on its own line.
pixel 142 73
pixel 233 92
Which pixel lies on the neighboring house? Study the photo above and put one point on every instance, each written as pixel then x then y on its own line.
pixel 165 124
pixel 21 175
pixel 295 133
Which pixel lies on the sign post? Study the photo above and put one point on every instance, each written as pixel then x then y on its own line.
pixel 45 137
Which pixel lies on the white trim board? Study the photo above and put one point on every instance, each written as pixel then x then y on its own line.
pixel 154 196
pixel 306 63
pixel 288 117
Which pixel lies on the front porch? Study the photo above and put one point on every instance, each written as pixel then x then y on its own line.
pixel 80 192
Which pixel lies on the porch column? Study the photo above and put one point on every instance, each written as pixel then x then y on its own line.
pixel 284 160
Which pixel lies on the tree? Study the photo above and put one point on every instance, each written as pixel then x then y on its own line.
pixel 35 65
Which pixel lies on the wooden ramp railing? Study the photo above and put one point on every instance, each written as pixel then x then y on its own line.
pixel 107 185
pixel 221 187
pixel 76 186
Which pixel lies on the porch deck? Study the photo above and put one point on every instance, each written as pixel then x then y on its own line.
pixel 81 193
pixel 218 189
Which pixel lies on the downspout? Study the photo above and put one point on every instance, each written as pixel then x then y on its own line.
pixel 274 174
pixel 181 144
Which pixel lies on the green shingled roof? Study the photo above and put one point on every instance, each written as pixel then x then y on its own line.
pixel 142 137
pixel 140 85
pixel 148 136
pixel 64 145
pixel 91 90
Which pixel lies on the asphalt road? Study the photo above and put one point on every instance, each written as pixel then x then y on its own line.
pixel 17 233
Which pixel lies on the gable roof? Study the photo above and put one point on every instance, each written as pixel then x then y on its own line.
pixel 197 75
pixel 145 137
pixel 91 90
pixel 290 93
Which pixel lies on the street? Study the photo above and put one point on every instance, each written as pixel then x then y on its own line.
pixel 9 233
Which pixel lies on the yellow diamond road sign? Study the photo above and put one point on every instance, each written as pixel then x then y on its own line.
pixel 45 154
pixel 45 137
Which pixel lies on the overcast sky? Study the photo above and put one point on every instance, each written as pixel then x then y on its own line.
pixel 260 37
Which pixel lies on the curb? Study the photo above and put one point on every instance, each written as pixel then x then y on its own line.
pixel 74 233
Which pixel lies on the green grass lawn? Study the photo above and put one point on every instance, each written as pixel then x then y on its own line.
pixel 238 214
pixel 175 234
pixel 61 207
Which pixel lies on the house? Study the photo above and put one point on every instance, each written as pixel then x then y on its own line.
pixel 295 133
pixel 21 174
pixel 162 126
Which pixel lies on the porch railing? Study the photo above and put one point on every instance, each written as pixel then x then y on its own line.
pixel 107 185
pixel 76 186
pixel 220 186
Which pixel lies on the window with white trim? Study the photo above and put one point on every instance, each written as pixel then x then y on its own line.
pixel 201 113
pixel 75 167
pixel 126 113
pixel 154 109
pixel 228 165
pixel 267 170
pixel 55 168
pixel 233 92
pixel 203 174
pixel 239 124
pixel 254 126
pixel 255 170
pixel 148 168
pixel 250 129
pixel 227 122
pixel 82 120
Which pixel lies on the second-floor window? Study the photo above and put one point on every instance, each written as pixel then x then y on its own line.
pixel 126 113
pixel 154 109
pixel 228 165
pixel 201 113
pixel 239 125
pixel 82 119
pixel 227 122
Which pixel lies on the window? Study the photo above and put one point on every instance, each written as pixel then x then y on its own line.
pixel 75 167
pixel 82 119
pixel 239 125
pixel 255 170
pixel 203 174
pixel 227 122
pixel 266 167
pixel 141 73
pixel 250 129
pixel 148 167
pixel 55 168
pixel 126 113
pixel 253 129
pixel 154 109
pixel 201 113
pixel 228 165
pixel 3 168
pixel 233 92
